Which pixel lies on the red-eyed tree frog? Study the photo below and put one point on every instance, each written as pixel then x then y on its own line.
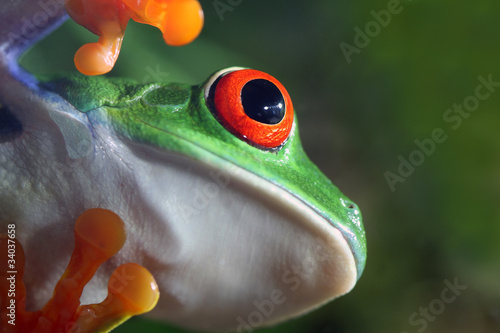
pixel 220 202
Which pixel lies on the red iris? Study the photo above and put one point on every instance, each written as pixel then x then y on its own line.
pixel 254 106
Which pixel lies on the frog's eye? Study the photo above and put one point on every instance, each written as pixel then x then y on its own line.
pixel 252 105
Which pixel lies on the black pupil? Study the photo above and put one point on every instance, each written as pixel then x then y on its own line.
pixel 263 101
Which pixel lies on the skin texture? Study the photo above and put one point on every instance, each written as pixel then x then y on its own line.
pixel 224 227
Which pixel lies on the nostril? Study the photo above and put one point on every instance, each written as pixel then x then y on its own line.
pixel 350 205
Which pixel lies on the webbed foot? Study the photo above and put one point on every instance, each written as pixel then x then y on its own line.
pixel 99 234
pixel 180 22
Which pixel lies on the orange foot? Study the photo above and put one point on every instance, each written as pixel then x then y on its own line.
pixel 180 21
pixel 99 234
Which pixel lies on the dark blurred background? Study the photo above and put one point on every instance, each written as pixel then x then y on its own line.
pixel 393 115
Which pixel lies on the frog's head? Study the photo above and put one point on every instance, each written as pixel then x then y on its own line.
pixel 239 220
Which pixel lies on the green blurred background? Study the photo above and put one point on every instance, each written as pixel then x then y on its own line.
pixel 358 120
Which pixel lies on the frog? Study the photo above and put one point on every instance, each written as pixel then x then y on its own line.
pixel 221 204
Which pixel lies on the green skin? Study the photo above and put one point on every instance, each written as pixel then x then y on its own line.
pixel 175 117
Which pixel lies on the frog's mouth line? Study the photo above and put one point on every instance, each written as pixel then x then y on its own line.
pixel 301 212
pixel 342 268
pixel 269 231
pixel 282 197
